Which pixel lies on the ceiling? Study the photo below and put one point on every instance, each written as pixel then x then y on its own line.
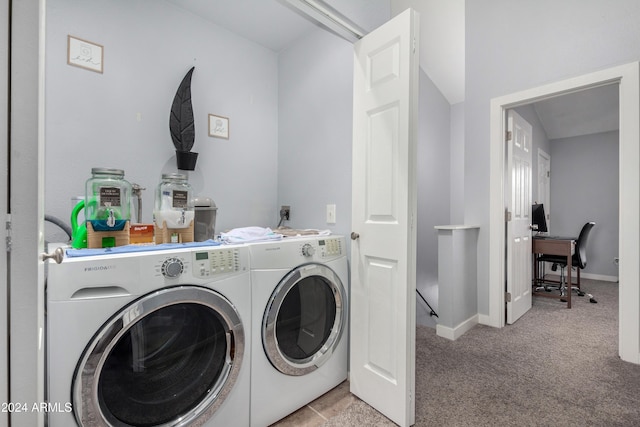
pixel 275 26
pixel 266 22
pixel 586 112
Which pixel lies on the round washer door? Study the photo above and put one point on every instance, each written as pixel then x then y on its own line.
pixel 166 359
pixel 304 319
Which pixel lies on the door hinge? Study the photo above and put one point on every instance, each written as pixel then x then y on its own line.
pixel 507 216
pixel 507 296
pixel 8 235
pixel 508 135
pixel 414 45
pixel 548 174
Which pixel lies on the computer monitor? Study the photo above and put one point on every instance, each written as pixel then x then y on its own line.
pixel 538 218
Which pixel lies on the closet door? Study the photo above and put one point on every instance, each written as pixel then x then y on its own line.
pixel 383 257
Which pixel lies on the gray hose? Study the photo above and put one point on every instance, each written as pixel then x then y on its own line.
pixel 57 221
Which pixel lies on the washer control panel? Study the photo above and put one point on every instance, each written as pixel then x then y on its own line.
pixel 330 247
pixel 215 262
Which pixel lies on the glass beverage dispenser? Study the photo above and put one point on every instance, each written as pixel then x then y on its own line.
pixel 108 200
pixel 174 212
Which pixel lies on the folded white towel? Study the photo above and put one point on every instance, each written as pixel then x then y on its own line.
pixel 305 232
pixel 249 234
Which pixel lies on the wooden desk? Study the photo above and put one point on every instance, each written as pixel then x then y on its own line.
pixel 564 246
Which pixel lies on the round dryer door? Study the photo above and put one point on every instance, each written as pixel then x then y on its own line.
pixel 304 319
pixel 168 358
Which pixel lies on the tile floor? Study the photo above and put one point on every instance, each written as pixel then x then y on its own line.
pixel 320 410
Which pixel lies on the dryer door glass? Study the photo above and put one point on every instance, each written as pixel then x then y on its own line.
pixel 305 319
pixel 169 362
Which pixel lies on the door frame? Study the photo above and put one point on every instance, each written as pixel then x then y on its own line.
pixel 547 203
pixel 628 78
pixel 4 164
pixel 25 267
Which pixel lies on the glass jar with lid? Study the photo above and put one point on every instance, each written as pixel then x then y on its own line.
pixel 174 204
pixel 107 199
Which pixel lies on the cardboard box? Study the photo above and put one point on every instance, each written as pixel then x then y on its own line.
pixel 141 233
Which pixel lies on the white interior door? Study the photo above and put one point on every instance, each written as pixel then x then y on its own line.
pixel 518 186
pixel 383 257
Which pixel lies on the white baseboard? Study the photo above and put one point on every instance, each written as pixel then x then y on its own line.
pixel 591 276
pixel 485 319
pixel 456 332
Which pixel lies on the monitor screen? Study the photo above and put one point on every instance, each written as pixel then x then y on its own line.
pixel 538 218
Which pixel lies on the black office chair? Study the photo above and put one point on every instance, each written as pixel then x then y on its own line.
pixel 579 260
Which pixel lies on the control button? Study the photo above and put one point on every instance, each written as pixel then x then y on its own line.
pixel 172 267
pixel 308 250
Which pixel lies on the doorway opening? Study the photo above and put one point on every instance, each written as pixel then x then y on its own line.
pixel 627 77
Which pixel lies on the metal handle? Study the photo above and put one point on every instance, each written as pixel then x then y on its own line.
pixel 57 255
pixel 533 227
pixel 354 235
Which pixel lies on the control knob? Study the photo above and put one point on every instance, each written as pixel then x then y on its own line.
pixel 172 267
pixel 308 250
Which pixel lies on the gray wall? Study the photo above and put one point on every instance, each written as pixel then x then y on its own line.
pixel 434 141
pixel 314 160
pixel 584 187
pixel 91 118
pixel 290 120
pixel 315 131
pixel 457 163
pixel 506 54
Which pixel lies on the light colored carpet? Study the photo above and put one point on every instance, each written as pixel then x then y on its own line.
pixel 553 367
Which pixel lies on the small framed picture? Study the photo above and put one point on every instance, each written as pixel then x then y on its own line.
pixel 84 54
pixel 218 126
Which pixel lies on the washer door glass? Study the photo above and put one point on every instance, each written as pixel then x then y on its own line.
pixel 304 319
pixel 169 357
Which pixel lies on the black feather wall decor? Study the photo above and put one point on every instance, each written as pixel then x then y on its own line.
pixel 182 126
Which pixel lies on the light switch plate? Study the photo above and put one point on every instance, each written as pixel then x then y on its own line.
pixel 331 214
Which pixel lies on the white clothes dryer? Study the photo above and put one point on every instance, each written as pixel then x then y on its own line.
pixel 150 338
pixel 299 317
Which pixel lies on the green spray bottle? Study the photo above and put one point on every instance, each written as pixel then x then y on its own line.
pixel 78 231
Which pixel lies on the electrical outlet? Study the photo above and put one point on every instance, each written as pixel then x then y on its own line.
pixel 285 211
pixel 331 214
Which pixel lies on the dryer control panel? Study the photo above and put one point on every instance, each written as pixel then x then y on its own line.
pixel 216 262
pixel 330 247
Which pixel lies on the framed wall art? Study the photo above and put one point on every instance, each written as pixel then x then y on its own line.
pixel 85 54
pixel 218 126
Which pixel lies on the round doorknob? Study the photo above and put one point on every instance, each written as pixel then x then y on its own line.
pixel 57 255
pixel 354 235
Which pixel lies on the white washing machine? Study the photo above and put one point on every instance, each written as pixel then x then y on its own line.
pixel 299 317
pixel 150 338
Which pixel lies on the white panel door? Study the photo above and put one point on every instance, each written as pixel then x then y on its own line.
pixel 518 186
pixel 383 257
